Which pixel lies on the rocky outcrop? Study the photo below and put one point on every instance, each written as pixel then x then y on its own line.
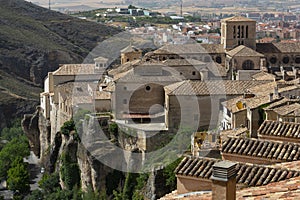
pixel 51 156
pixel 156 185
pixel 45 135
pixel 31 129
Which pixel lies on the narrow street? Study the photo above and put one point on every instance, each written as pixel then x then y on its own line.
pixel 35 171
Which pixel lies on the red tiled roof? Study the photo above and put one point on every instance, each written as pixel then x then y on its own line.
pixel 247 174
pixel 262 149
pixel 280 129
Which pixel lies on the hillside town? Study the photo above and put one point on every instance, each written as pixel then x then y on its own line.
pixel 204 27
pixel 238 92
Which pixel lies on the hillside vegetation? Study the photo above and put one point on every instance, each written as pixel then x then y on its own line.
pixel 34 41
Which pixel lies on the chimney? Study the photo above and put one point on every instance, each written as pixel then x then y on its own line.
pixel 224 181
pixel 276 91
pixel 271 97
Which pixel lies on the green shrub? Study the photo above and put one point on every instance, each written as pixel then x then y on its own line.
pixel 70 172
pixel 18 177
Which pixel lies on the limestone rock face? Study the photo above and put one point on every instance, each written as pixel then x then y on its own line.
pixel 156 185
pixel 45 134
pixel 31 129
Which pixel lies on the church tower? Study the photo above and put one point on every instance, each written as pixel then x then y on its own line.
pixel 237 31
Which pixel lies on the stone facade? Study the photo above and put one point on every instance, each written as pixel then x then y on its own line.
pixel 237 31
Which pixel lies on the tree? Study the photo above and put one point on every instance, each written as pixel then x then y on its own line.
pixel 67 127
pixel 129 185
pixel 132 7
pixel 35 195
pixel 12 131
pixel 169 174
pixel 50 183
pixel 17 147
pixel 18 177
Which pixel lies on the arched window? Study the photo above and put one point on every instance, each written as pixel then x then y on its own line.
pixel 285 59
pixel 248 64
pixel 247 31
pixel 273 60
pixel 219 59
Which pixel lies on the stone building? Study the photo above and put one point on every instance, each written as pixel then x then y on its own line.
pixel 248 110
pixel 286 110
pixel 71 87
pixel 130 53
pixel 198 103
pixel 237 31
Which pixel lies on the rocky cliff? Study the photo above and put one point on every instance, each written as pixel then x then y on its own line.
pixel 100 158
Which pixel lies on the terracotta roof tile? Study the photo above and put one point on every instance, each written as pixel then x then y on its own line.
pixel 75 69
pixel 286 109
pixel 258 148
pixel 285 189
pixel 278 47
pixel 190 49
pixel 243 51
pixel 280 129
pixel 263 76
pixel 227 87
pixel 247 174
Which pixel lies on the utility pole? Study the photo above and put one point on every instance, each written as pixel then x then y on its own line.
pixel 181 8
pixel 49 4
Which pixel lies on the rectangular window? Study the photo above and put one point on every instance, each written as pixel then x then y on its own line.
pixel 228 113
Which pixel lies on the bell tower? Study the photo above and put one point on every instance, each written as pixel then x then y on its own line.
pixel 237 31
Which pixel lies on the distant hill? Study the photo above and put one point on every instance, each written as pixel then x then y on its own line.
pixel 34 41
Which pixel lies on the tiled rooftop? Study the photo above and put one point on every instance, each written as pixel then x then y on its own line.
pixel 287 109
pixel 182 62
pixel 123 68
pixel 263 76
pixel 75 69
pixel 243 51
pixel 247 174
pixel 191 49
pixel 282 102
pixel 130 76
pixel 280 129
pixel 278 47
pixel 251 103
pixel 262 149
pixel 287 189
pixel 227 87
